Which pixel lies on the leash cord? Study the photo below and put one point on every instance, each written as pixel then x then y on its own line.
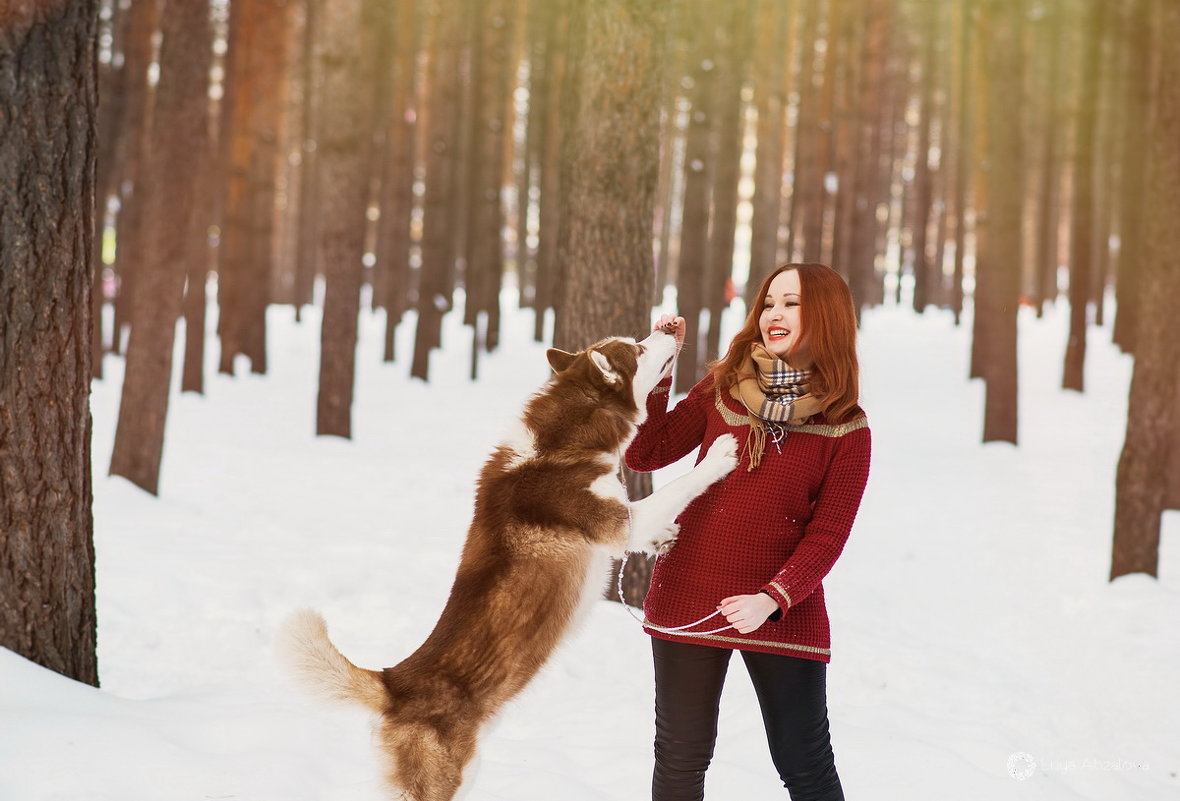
pixel 664 629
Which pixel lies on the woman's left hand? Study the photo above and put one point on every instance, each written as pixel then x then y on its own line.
pixel 747 612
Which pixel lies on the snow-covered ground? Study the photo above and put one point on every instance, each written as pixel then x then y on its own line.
pixel 975 633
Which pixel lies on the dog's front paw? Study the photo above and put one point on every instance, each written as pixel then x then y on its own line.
pixel 721 458
pixel 663 541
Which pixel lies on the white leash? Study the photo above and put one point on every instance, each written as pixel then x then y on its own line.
pixel 665 629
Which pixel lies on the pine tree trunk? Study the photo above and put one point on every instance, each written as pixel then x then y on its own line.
pixel 616 49
pixel 1153 420
pixel 485 250
pixel 1047 212
pixel 803 164
pixel 144 19
pixel 699 163
pixel 47 166
pixel 308 229
pixel 397 179
pixel 344 191
pixel 729 122
pixel 923 177
pixel 443 98
pixel 770 97
pixel 1081 256
pixel 869 192
pixel 1004 214
pixel 1136 91
pixel 168 191
pixel 963 157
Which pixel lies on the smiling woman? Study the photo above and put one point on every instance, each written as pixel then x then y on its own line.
pixel 758 544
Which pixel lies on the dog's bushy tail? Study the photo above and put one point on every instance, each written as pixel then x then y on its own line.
pixel 304 648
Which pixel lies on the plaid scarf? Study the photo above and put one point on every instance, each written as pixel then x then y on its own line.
pixel 775 395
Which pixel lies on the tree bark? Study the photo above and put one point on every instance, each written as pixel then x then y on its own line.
pixel 1000 297
pixel 397 179
pixel 1081 256
pixel 344 190
pixel 608 204
pixel 443 93
pixel 168 191
pixel 770 97
pixel 1153 420
pixel 47 174
pixel 1136 92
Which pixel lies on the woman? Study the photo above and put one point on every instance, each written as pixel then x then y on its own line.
pixel 754 548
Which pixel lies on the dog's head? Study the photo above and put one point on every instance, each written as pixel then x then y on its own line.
pixel 619 365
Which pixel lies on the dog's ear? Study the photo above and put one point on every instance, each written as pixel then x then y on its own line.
pixel 559 360
pixel 605 367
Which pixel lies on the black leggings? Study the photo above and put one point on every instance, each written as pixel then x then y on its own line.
pixel 792 693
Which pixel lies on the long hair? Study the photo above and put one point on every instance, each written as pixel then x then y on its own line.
pixel 828 318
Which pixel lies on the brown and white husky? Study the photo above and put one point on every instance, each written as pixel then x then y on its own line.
pixel 549 511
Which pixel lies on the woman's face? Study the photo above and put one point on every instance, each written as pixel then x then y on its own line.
pixel 781 322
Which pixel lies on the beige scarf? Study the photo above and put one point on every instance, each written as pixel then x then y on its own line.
pixel 774 396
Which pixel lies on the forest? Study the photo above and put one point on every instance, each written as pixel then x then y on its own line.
pixel 165 160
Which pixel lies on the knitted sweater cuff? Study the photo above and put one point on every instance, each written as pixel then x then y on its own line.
pixel 780 595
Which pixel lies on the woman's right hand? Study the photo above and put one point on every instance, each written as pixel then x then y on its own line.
pixel 678 323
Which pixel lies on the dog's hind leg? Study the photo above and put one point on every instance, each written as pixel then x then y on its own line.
pixel 653 519
pixel 422 762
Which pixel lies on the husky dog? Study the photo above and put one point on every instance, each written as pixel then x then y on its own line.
pixel 549 512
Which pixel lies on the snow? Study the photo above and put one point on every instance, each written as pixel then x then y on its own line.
pixel 973 620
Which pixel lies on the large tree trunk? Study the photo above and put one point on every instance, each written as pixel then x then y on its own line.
pixel 173 171
pixel 47 164
pixel 1153 414
pixel 344 190
pixel 616 51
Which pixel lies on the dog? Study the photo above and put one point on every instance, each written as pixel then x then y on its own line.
pixel 549 512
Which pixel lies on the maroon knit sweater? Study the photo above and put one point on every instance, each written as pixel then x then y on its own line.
pixel 777 528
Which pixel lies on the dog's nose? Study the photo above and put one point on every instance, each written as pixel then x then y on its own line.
pixel 670 328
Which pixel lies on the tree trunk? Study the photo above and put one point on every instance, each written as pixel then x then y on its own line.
pixel 308 233
pixel 443 93
pixel 144 18
pixel 47 166
pixel 803 164
pixel 1136 91
pixel 1047 250
pixel 397 179
pixel 614 102
pixel 168 192
pixel 868 190
pixel 699 163
pixel 344 191
pixel 1153 422
pixel 730 129
pixel 1000 299
pixel 770 96
pixel 1082 220
pixel 260 30
pixel 485 250
pixel 923 175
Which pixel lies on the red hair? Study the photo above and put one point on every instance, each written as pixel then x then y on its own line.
pixel 828 318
